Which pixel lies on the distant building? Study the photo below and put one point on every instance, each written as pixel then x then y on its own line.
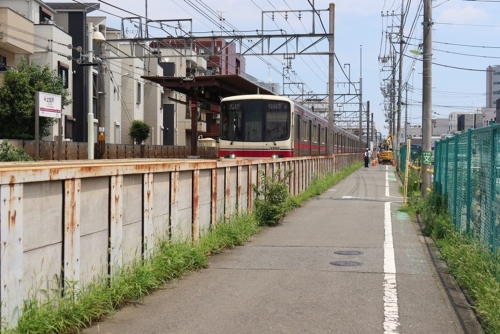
pixel 414 131
pixel 492 85
pixel 463 120
pixel 489 115
pixel 440 126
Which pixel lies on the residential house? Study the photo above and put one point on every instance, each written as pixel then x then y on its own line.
pixel 72 18
pixel 30 33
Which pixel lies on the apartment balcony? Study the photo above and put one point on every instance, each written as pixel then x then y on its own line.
pixel 16 33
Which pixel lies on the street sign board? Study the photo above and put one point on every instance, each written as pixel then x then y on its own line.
pixel 48 105
pixel 426 157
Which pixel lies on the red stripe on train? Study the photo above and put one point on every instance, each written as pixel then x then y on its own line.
pixel 256 153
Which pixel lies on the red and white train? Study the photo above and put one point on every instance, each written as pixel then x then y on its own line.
pixel 259 126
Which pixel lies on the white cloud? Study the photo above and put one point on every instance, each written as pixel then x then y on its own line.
pixel 467 14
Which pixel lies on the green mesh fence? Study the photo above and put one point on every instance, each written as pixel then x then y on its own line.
pixel 466 170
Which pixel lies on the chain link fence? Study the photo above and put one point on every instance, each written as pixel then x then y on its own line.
pixel 466 171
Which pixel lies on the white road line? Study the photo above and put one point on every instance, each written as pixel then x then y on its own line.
pixel 391 316
pixel 386 182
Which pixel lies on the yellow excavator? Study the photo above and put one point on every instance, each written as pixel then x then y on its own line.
pixel 385 155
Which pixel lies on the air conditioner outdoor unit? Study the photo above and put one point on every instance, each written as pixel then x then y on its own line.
pixel 216 116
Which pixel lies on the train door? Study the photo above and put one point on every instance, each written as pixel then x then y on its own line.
pixel 309 138
pixel 297 136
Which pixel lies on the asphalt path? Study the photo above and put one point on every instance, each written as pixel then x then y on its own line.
pixel 345 262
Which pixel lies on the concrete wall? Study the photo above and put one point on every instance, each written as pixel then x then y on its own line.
pixel 81 220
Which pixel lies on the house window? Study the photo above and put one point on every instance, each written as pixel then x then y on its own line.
pixel 45 16
pixel 63 70
pixel 138 101
pixel 69 123
pixel 117 133
pixel 3 63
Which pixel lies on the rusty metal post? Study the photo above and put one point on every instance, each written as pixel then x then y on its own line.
pixel 250 189
pixel 214 197
pixel 147 214
pixel 72 218
pixel 238 189
pixel 196 205
pixel 116 225
pixel 227 192
pixel 11 266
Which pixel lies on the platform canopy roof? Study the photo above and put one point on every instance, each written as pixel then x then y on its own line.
pixel 210 87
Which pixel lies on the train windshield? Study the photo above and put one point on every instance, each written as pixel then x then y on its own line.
pixel 255 120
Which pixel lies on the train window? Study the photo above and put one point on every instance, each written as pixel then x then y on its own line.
pixel 304 130
pixel 277 121
pixel 232 121
pixel 253 122
pixel 323 135
pixel 315 134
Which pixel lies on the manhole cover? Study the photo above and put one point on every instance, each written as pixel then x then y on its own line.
pixel 346 263
pixel 348 252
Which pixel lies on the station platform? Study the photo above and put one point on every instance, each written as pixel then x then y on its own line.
pixel 347 261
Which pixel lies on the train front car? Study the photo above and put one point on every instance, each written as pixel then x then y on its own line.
pixel 255 126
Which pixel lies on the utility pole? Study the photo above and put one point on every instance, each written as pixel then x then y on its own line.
pixel 427 97
pixel 101 99
pixel 406 111
pixel 400 82
pixel 331 65
pixel 368 124
pixel 373 130
pixel 90 92
pixel 361 149
pixel 393 100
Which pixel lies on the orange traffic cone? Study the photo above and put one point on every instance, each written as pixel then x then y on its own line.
pixel 393 163
pixel 374 162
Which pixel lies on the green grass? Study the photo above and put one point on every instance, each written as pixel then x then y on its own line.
pixel 77 309
pixel 476 269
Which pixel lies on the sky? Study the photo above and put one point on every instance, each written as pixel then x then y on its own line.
pixel 465 41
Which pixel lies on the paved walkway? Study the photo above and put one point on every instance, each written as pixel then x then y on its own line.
pixel 283 280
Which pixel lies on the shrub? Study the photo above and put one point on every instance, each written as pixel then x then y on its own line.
pixel 271 202
pixel 9 152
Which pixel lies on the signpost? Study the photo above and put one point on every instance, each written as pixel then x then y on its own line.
pixel 426 157
pixel 47 105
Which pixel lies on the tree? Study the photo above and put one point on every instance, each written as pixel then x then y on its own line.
pixel 139 131
pixel 17 100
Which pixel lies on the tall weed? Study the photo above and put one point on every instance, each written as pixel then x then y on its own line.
pixel 475 268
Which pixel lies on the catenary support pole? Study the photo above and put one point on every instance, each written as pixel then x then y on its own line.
pixel 331 64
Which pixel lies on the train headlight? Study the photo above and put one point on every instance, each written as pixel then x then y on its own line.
pixel 275 156
pixel 230 156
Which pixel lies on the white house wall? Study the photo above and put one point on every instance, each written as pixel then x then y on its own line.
pixel 50 37
pixel 153 106
pixel 113 106
pixel 132 70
